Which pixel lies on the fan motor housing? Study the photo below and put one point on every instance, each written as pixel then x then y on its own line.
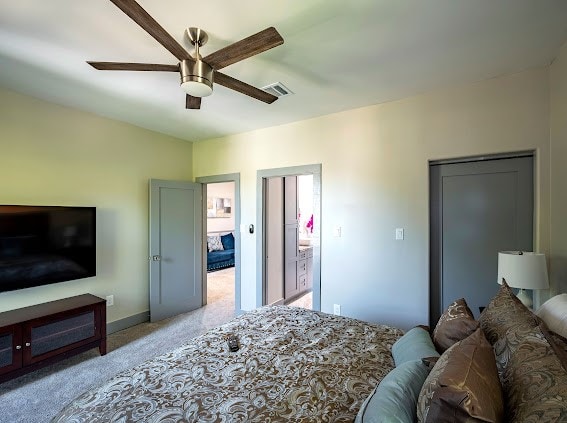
pixel 196 72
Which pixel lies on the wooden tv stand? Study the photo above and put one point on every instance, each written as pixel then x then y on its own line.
pixel 35 336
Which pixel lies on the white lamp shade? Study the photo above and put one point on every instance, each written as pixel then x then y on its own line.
pixel 196 88
pixel 523 270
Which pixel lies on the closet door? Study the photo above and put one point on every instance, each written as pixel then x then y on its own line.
pixel 274 240
pixel 478 208
pixel 291 236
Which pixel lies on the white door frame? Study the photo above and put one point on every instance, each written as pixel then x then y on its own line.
pixel 229 177
pixel 315 170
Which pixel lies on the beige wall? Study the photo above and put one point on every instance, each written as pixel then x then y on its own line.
pixel 375 178
pixel 52 155
pixel 558 147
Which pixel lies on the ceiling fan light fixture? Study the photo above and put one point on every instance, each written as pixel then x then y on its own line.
pixel 196 78
pixel 197 75
pixel 197 88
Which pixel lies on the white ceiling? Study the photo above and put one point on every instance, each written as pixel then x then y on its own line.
pixel 337 55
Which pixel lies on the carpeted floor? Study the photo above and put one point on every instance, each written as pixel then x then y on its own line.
pixel 220 285
pixel 39 396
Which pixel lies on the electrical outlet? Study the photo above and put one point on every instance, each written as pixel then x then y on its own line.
pixel 109 300
pixel 337 309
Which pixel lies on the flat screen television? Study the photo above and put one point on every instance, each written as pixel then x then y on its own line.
pixel 40 245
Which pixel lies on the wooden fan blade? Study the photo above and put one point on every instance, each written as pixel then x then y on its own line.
pixel 243 87
pixel 240 50
pixel 149 24
pixel 192 102
pixel 134 66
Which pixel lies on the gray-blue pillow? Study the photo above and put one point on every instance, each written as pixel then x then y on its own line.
pixel 227 241
pixel 394 400
pixel 414 345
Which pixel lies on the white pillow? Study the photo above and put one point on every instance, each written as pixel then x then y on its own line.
pixel 214 243
pixel 554 313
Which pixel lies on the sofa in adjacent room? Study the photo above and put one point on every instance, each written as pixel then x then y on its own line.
pixel 220 251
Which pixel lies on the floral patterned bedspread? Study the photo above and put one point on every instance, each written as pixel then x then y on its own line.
pixel 293 365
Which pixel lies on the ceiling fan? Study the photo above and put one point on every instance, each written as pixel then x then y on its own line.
pixel 197 73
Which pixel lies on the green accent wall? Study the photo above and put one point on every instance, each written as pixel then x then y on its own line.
pixel 54 155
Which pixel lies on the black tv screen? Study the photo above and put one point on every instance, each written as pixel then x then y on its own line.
pixel 40 245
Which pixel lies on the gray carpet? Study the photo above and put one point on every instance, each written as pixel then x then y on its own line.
pixel 39 396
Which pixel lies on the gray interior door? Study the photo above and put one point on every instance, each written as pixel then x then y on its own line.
pixel 274 240
pixel 477 209
pixel 175 248
pixel 291 237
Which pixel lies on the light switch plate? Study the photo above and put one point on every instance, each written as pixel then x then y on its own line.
pixel 399 233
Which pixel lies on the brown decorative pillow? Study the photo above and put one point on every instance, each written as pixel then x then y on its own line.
pixel 463 385
pixel 504 312
pixel 533 380
pixel 456 323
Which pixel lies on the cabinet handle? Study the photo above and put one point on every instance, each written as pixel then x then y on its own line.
pixel 27 344
pixel 18 347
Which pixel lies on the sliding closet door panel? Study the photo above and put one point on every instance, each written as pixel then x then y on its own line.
pixel 274 240
pixel 291 236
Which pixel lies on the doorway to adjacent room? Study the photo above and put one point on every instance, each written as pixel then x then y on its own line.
pixel 221 240
pixel 288 239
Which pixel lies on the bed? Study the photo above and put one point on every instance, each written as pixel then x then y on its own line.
pixel 297 365
pixel 293 365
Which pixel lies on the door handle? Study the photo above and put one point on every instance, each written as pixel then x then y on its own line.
pixel 156 258
pixel 18 347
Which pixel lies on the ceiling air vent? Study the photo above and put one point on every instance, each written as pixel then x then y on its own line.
pixel 278 89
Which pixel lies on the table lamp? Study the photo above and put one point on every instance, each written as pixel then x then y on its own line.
pixel 523 270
